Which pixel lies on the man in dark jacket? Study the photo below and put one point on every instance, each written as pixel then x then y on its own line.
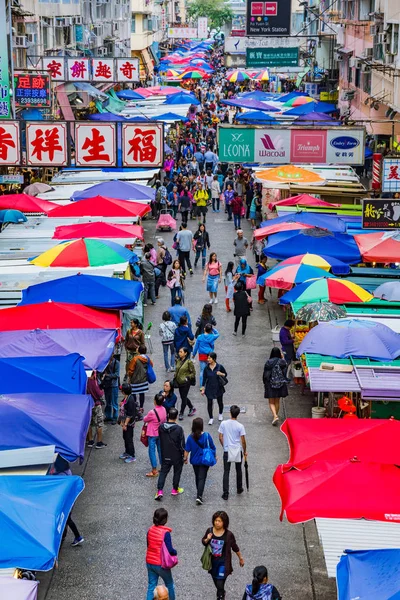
pixel 183 335
pixel 172 442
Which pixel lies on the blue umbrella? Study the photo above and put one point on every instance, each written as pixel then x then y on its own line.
pixel 129 95
pixel 182 98
pixel 291 95
pixel 318 119
pixel 304 109
pixel 259 95
pixel 369 574
pixel 330 222
pixel 315 241
pixel 256 115
pixel 10 215
pixel 352 337
pixel 169 116
pixel 33 515
pixel 106 117
pixel 121 190
pixel 249 103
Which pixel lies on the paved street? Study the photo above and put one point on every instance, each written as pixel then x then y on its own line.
pixel 116 507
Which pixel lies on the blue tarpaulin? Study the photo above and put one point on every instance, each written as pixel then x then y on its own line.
pixel 121 190
pixel 169 116
pixel 182 98
pixel 33 514
pixel 304 109
pixel 129 95
pixel 256 115
pixel 369 575
pixel 29 420
pixel 252 104
pixel 330 222
pixel 47 374
pixel 90 290
pixel 289 243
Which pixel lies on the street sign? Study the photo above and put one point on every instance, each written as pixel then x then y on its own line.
pixel 268 18
pixel 380 214
pixel 272 57
pixel 32 91
pixel 298 145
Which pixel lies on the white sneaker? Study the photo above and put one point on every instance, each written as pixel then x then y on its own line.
pixel 216 301
pixel 220 417
pixel 212 300
pixel 211 421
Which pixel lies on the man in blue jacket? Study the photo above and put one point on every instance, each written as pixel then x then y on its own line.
pixel 183 335
pixel 177 311
pixel 204 345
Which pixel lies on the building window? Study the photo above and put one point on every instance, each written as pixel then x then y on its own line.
pixel 349 74
pixel 357 78
pixel 133 23
pixel 367 83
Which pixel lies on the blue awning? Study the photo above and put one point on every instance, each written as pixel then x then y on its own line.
pixel 369 574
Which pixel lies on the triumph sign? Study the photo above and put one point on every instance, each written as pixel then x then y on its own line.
pixel 299 145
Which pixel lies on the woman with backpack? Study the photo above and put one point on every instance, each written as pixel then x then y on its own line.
pixel 196 442
pixel 205 317
pixel 137 373
pixel 157 535
pixel 154 418
pixel 275 383
pixel 167 333
pixel 201 241
pixel 214 381
pixel 221 542
pixel 259 588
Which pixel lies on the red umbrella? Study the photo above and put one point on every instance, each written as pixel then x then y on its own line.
pixel 26 203
pixel 57 315
pixel 99 229
pixel 379 247
pixel 301 200
pixel 100 206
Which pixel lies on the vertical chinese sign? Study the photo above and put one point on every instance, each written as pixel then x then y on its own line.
pixel 5 106
pixel 9 143
pixel 128 69
pixel 95 145
pixel 142 145
pixel 55 67
pixel 103 69
pixel 46 144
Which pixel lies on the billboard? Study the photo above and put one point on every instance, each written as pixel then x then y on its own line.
pixel 299 145
pixel 32 90
pixel 380 214
pixel 391 175
pixel 268 18
pixel 91 69
pixel 5 101
pixel 272 57
pixel 238 45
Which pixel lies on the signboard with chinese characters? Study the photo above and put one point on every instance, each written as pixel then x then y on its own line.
pixel 127 69
pixel 32 90
pixel 46 144
pixel 5 101
pixel 238 45
pixel 202 28
pixel 12 179
pixel 300 145
pixel 182 32
pixel 391 175
pixel 268 18
pixel 55 67
pixel 142 145
pixel 9 143
pixel 78 69
pixel 93 69
pixel 380 214
pixel 95 145
pixel 103 69
pixel 272 57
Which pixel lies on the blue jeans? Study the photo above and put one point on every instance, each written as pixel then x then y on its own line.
pixel 154 572
pixel 154 443
pixel 111 397
pixel 203 253
pixel 202 365
pixel 166 349
pixel 176 292
pixel 236 220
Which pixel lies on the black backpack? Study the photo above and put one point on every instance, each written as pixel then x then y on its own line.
pixel 167 260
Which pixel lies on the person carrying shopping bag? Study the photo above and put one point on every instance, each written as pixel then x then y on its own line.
pixel 202 450
pixel 161 556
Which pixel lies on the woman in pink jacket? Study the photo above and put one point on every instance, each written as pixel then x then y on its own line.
pixel 154 418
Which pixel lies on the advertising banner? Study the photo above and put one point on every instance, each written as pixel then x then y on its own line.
pixel 32 91
pixel 202 28
pixel 268 18
pixel 78 69
pixel 103 69
pixel 55 67
pixel 272 57
pixel 5 101
pixel 380 214
pixel 46 144
pixel 238 45
pixel 142 145
pixel 91 69
pixel 391 175
pixel 182 32
pixel 9 143
pixel 299 145
pixel 95 145
pixel 127 69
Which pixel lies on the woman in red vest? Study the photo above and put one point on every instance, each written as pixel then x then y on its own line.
pixel 156 535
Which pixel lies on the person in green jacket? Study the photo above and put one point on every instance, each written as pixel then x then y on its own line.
pixel 185 377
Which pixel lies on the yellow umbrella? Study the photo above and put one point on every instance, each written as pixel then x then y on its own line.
pixel 290 174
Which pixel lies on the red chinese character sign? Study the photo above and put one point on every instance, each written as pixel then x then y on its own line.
pixel 127 69
pixel 9 143
pixel 95 145
pixel 142 145
pixel 103 69
pixel 55 67
pixel 78 69
pixel 46 144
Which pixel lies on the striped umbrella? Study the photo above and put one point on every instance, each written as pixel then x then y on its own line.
pixel 263 76
pixel 299 101
pixel 237 76
pixel 286 276
pixel 338 291
pixel 84 252
pixel 194 74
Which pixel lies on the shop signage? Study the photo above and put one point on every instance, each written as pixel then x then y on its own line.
pixel 11 179
pixel 5 105
pixel 91 69
pixel 32 90
pixel 391 175
pixel 268 18
pixel 182 32
pixel 380 214
pixel 238 45
pixel 46 144
pixel 299 145
pixel 202 28
pixel 272 57
pixel 142 145
pixel 9 143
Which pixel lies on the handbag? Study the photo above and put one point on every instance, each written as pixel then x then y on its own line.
pixel 235 454
pixel 167 560
pixel 151 376
pixel 171 283
pixel 223 380
pixel 208 459
pixel 143 436
pixel 206 558
pixel 251 282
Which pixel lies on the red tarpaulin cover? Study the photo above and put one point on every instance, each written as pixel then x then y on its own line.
pixel 26 203
pixel 98 230
pixel 379 247
pixel 300 200
pixel 260 234
pixel 335 468
pixel 57 315
pixel 100 206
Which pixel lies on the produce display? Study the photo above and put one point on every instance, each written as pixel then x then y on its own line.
pixel 300 332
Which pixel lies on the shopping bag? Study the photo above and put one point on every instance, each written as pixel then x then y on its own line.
pixel 251 282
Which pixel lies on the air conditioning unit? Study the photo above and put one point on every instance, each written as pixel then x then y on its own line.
pixel 98 30
pixel 338 57
pixel 348 95
pixel 372 30
pixel 102 51
pixel 78 20
pixel 382 38
pixel 20 41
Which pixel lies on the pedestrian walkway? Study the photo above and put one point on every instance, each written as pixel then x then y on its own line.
pixel 116 509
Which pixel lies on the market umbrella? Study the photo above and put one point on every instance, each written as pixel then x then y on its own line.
pixel 83 252
pixel 171 73
pixel 291 96
pixel 329 222
pixel 328 263
pixel 286 276
pixel 352 337
pixel 33 515
pixel 263 232
pixel 192 74
pixel 320 311
pixel 263 75
pixel 258 95
pixel 304 109
pixel 170 116
pixel 129 95
pixel 120 190
pixel 18 589
pixel 101 206
pixel 237 75
pixel 251 104
pixel 339 291
pixel 319 119
pixel 379 247
pixel 369 574
pixel 299 101
pixel 182 98
pixel 37 188
pixel 388 291
pixel 301 200
pixel 10 215
pixel 98 229
pixel 315 241
pixel 26 203
pixel 256 115
pixel 289 174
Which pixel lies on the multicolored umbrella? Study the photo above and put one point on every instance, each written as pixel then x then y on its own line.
pixel 263 76
pixel 320 311
pixel 171 73
pixel 237 76
pixel 284 277
pixel 322 261
pixel 84 252
pixel 290 174
pixel 192 75
pixel 299 101
pixel 379 247
pixel 339 291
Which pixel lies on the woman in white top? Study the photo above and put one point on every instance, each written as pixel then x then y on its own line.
pixel 215 194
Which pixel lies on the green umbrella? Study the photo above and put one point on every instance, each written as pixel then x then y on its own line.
pixel 320 311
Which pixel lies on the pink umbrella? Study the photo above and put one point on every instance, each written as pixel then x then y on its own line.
pixel 300 200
